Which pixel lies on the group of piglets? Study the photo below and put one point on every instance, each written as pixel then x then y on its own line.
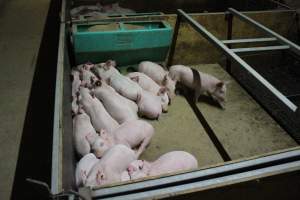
pixel 108 134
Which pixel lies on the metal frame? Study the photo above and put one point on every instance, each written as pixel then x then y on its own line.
pixel 199 175
pixel 231 53
pixel 207 184
pixel 231 172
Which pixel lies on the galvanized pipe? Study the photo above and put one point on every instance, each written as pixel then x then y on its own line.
pixel 256 49
pixel 294 47
pixel 228 52
pixel 249 40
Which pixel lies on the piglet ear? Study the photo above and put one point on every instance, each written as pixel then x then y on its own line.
pixel 135 78
pixel 162 90
pixel 109 64
pixel 220 84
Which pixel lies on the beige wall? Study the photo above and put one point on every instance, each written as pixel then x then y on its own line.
pixel 192 48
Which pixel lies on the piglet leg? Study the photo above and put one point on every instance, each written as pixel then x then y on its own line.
pixel 143 146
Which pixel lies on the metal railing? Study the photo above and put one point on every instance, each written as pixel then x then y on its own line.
pixel 225 47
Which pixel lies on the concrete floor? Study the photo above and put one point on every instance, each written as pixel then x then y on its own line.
pixel 22 24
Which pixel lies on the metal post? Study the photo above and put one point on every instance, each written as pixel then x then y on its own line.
pixel 294 47
pixel 174 40
pixel 229 53
pixel 229 19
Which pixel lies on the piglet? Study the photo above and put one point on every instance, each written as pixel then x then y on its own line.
pixel 100 118
pixel 75 106
pixel 87 77
pixel 76 82
pixel 110 167
pixel 83 132
pixel 137 133
pixel 159 75
pixel 119 107
pixel 125 86
pixel 149 85
pixel 149 105
pixel 86 66
pixel 105 70
pixel 171 162
pixel 84 166
pixel 200 82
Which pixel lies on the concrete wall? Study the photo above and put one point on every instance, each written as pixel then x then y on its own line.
pixel 192 48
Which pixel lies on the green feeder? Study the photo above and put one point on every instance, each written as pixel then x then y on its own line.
pixel 126 42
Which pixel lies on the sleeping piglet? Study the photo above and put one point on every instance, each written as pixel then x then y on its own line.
pixel 100 118
pixel 83 132
pixel 87 66
pixel 149 105
pixel 151 86
pixel 87 78
pixel 83 167
pixel 110 167
pixel 159 75
pixel 133 134
pixel 200 82
pixel 119 107
pixel 76 82
pixel 105 70
pixel 167 163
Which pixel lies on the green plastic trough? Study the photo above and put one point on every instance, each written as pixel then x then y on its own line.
pixel 126 42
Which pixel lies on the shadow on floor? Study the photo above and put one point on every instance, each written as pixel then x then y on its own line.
pixel 35 151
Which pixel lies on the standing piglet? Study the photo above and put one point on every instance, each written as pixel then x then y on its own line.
pixel 110 167
pixel 83 168
pixel 83 132
pixel 137 133
pixel 149 105
pixel 119 107
pixel 159 75
pixel 168 163
pixel 200 82
pixel 94 108
pixel 151 86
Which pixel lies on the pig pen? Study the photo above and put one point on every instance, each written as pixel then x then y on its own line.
pixel 241 143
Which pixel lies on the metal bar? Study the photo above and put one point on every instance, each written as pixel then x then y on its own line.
pixel 57 121
pixel 294 47
pixel 255 49
pixel 174 40
pixel 147 184
pixel 211 183
pixel 249 40
pixel 210 37
pixel 229 18
pixel 281 4
pixel 57 129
